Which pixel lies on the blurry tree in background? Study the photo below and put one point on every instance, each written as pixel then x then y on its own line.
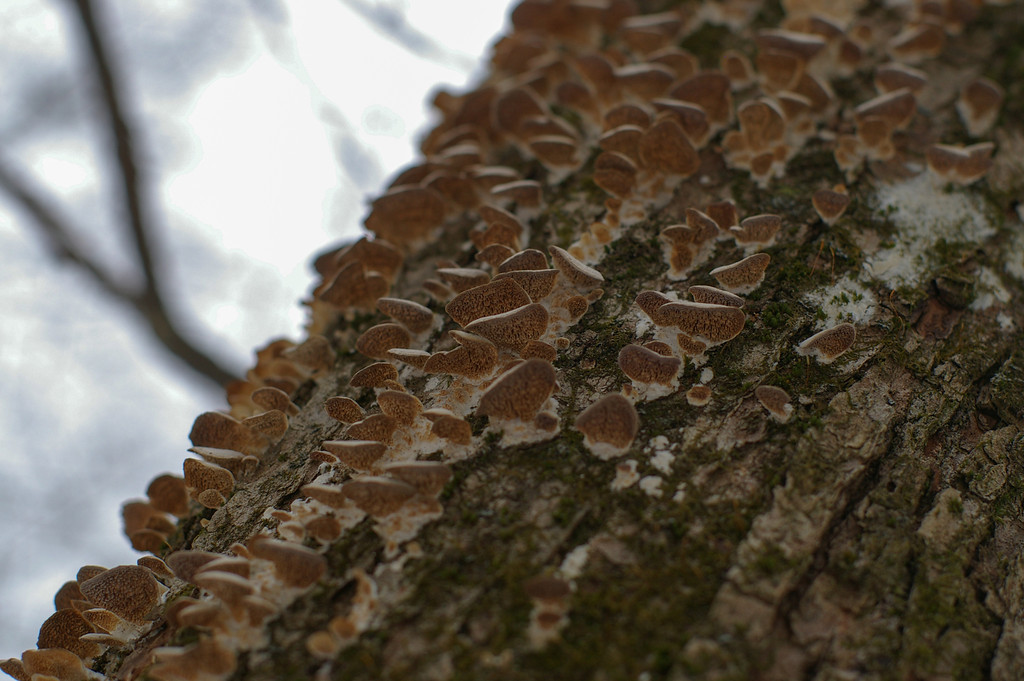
pixel 132 291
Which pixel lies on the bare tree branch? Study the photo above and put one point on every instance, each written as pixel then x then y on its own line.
pixel 391 23
pixel 146 298
pixel 131 174
pixel 46 217
pixel 274 24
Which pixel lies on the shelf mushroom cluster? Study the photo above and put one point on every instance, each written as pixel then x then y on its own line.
pixel 575 82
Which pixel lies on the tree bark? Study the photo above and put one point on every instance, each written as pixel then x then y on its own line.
pixel 875 534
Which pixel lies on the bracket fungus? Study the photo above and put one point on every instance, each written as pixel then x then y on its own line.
pixel 776 401
pixel 378 496
pixel 608 426
pixel 513 329
pixel 519 393
pixel 647 366
pixel 590 85
pixel 743 276
pixel 296 566
pixel 361 455
pixel 826 346
pixel 712 324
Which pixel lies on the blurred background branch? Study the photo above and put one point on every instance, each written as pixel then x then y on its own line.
pixel 166 170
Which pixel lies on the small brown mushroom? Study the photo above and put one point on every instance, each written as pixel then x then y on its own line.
pixel 377 340
pixel 296 566
pixel 519 393
pixel 775 400
pixel 361 455
pixel 377 496
pixel 343 409
pixel 743 276
pixel 827 345
pixel 609 425
pixel 647 366
pixel 428 477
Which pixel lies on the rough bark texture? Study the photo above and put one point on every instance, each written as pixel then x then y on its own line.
pixel 876 534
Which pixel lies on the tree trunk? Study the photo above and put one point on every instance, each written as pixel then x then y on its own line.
pixel 873 532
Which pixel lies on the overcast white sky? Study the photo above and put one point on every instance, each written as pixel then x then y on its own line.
pixel 246 112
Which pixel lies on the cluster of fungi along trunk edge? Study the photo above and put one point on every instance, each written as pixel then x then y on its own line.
pixel 676 255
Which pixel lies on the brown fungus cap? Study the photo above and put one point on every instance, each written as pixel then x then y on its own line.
pixel 615 173
pixel 374 375
pixel 213 429
pixel 377 255
pixel 494 255
pixel 895 108
pixel 743 276
pixel 775 400
pixel 581 276
pixel 611 421
pixel 268 398
pixel 513 329
pixel 979 104
pixel 377 340
pixel 343 409
pixel 665 148
pixel 14 668
pixel 413 316
pixel 378 496
pixel 711 323
pixel 711 91
pixel 714 296
pixel 498 296
pixel 296 566
pixel 827 345
pixel 272 424
pixel 66 596
pixel 691 117
pixel 547 588
pixel 331 495
pixel 406 215
pixel 463 278
pixel 537 283
pixel 352 286
pixel 647 366
pixel 428 477
pixel 626 114
pixel 401 406
pixel 414 358
pixel 663 349
pixel 53 663
pixel 830 204
pixel 474 358
pixel 314 354
pixel 202 475
pixel 724 214
pixel 650 301
pixel 159 568
pixel 529 259
pixel 539 349
pixel 447 425
pixel 519 393
pixel 128 591
pixel 63 628
pixel 623 140
pixel 698 395
pixel 757 230
pixel 524 193
pixel 167 493
pixel 358 454
pixel 88 572
pixel 241 465
pixel 891 77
